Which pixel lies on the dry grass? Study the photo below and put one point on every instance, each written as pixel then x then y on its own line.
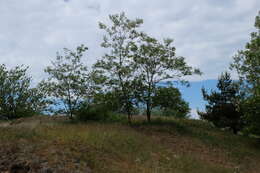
pixel 165 145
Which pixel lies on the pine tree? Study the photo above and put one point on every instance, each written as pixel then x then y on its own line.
pixel 223 108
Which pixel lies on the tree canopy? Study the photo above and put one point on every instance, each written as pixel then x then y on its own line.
pixel 157 62
pixel 169 101
pixel 17 97
pixel 247 64
pixel 69 81
pixel 117 65
pixel 224 106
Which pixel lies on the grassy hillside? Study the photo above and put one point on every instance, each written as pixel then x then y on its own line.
pixel 166 145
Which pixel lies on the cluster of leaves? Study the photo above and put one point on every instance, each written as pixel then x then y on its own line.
pixel 17 98
pixel 109 100
pixel 157 62
pixel 104 106
pixel 170 102
pixel 69 82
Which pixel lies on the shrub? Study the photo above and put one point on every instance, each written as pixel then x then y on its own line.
pixel 169 101
pixel 97 113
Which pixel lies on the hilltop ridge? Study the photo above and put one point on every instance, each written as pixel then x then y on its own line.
pixel 53 144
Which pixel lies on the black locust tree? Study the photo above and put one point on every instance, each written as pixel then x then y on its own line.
pixel 17 97
pixel 117 66
pixel 69 81
pixel 156 62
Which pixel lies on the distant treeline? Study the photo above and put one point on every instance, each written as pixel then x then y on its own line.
pixel 126 79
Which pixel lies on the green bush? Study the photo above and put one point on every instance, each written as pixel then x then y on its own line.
pixel 97 113
pixel 169 102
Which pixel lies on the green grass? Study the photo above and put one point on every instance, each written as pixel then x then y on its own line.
pixel 165 145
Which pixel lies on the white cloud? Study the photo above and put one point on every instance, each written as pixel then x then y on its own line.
pixel 206 32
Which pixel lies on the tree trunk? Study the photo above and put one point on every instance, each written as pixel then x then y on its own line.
pixel 148 111
pixel 71 115
pixel 148 104
pixel 129 117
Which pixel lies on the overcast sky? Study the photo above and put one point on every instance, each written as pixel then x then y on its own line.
pixel 206 32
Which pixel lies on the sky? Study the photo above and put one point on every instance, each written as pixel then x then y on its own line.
pixel 206 32
pixel 193 94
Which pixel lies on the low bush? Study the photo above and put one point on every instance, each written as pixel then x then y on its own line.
pixel 98 113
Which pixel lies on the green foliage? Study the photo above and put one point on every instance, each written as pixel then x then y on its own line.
pixel 97 113
pixel 110 100
pixel 168 99
pixel 137 63
pixel 224 106
pixel 69 81
pixel 117 66
pixel 156 61
pixel 92 112
pixel 17 98
pixel 247 64
pixel 251 107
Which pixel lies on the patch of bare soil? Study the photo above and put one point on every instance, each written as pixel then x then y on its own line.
pixel 33 122
pixel 5 124
pixel 25 156
pixel 25 159
pixel 40 119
